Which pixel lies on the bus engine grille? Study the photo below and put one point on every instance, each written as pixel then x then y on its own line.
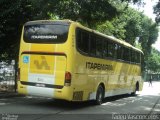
pixel 78 95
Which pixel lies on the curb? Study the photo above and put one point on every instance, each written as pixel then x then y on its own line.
pixel 156 109
pixel 9 94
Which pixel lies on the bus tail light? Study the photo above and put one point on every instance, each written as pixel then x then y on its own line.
pixel 18 74
pixel 67 79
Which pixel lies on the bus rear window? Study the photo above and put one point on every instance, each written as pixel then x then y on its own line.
pixel 45 33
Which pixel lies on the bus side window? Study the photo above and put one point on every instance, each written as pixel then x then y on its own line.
pixel 142 58
pixel 120 52
pixel 138 58
pixel 126 55
pixel 116 46
pixel 105 50
pixel 99 47
pixel 92 45
pixel 83 41
pixel 110 50
pixel 133 56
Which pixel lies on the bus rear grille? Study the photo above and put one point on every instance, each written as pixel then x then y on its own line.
pixel 78 95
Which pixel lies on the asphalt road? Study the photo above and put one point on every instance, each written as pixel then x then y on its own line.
pixel 145 104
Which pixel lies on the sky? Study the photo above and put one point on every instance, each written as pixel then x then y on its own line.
pixel 148 10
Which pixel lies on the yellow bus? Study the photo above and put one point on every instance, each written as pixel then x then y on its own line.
pixel 62 59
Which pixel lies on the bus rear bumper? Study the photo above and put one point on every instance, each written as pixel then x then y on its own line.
pixel 66 93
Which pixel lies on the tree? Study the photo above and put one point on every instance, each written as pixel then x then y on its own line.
pixel 157 12
pixel 129 26
pixel 88 12
pixel 12 18
pixel 148 35
pixel 153 64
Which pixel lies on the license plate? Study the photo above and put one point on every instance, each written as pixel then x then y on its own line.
pixel 40 85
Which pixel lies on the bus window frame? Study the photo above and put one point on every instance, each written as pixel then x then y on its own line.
pixel 107 40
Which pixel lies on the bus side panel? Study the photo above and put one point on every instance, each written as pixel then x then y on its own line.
pixel 120 80
pixel 25 67
pixel 88 78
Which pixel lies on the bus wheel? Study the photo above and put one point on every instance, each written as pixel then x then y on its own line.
pixel 99 95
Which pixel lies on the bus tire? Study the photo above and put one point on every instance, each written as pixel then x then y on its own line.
pixel 99 95
pixel 136 89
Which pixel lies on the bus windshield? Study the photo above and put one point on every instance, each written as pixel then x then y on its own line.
pixel 45 33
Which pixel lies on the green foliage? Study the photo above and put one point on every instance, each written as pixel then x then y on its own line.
pixel 157 12
pixel 12 18
pixel 111 17
pixel 113 28
pixel 153 63
pixel 133 25
pixel 53 16
pixel 148 35
pixel 86 11
pixel 130 25
pixel 133 1
pixel 14 13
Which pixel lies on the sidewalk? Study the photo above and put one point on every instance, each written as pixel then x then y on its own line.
pixel 153 90
pixel 156 109
pixel 9 94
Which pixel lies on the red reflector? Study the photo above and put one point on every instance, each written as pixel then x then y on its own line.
pixel 67 79
pixel 67 76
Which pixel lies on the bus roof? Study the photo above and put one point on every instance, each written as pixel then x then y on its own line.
pixel 122 42
pixel 68 22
